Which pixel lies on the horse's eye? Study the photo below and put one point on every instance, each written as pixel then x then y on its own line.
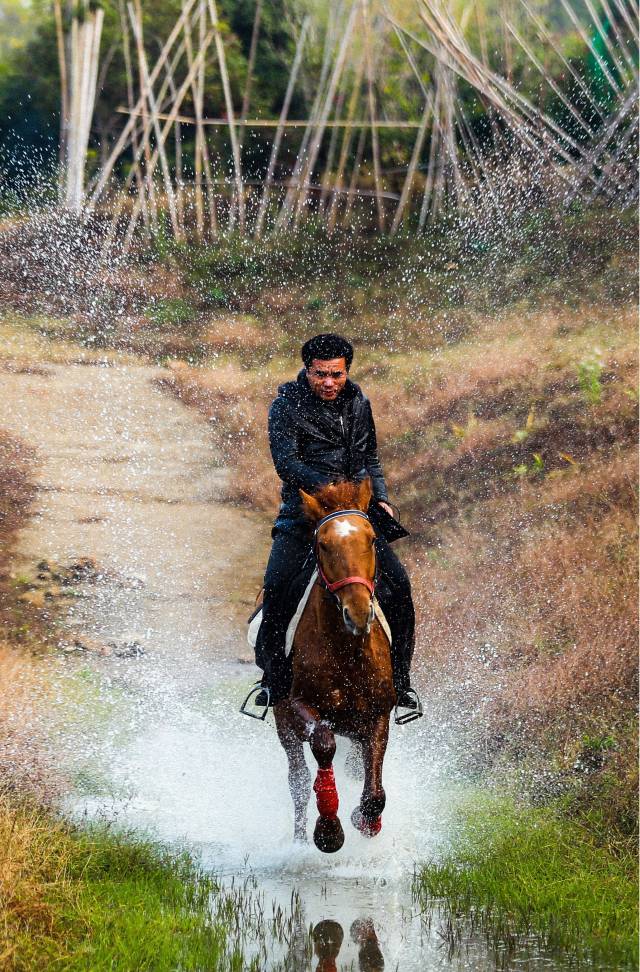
pixel 322 545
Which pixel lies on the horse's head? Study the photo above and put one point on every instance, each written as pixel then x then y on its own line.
pixel 345 548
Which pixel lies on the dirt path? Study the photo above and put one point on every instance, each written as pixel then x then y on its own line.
pixel 130 477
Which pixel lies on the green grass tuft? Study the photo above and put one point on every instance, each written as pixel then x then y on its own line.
pixel 517 871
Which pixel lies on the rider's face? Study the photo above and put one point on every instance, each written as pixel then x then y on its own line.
pixel 327 378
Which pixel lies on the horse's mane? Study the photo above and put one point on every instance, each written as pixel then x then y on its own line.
pixel 343 495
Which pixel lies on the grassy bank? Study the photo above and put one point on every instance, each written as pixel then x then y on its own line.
pixel 91 899
pixel 517 871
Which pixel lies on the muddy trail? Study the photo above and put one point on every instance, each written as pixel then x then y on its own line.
pixel 156 575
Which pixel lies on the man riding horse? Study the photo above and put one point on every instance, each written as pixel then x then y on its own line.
pixel 321 430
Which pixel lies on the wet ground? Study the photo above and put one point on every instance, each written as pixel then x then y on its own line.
pixel 144 692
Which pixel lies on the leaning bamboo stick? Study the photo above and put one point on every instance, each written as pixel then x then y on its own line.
pixel 613 54
pixel 549 80
pixel 135 16
pixel 284 111
pixel 548 39
pixel 413 164
pixel 594 51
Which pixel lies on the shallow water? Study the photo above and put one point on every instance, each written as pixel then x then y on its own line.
pixel 131 478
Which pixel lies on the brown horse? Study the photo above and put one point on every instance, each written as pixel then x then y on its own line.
pixel 342 676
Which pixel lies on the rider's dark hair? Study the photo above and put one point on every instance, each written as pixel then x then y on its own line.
pixel 325 347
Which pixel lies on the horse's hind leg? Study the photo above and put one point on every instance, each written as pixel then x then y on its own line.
pixel 328 834
pixel 367 818
pixel 299 778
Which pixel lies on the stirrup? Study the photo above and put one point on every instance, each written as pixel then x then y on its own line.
pixel 258 687
pixel 409 715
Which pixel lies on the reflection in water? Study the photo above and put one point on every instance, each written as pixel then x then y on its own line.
pixel 327 939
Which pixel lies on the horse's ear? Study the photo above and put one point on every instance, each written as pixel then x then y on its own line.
pixel 311 507
pixel 365 492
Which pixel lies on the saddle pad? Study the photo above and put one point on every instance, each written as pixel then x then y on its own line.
pixel 254 624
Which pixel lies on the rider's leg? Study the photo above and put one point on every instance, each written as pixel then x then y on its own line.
pixel 397 604
pixel 288 554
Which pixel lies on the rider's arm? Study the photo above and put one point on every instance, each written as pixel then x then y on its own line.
pixel 283 442
pixel 372 462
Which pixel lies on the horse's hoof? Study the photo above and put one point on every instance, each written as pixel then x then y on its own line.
pixel 328 835
pixel 367 827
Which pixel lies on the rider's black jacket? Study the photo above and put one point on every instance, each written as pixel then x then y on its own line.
pixel 314 443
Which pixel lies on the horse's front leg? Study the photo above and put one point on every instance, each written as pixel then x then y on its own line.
pixel 367 818
pixel 299 777
pixel 328 835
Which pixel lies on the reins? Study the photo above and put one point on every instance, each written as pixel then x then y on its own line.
pixel 333 586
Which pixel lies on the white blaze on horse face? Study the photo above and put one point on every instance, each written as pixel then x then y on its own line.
pixel 343 528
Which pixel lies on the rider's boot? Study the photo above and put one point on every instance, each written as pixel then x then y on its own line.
pixel 275 685
pixel 406 696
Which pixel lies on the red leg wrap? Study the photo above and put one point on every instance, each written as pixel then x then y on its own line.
pixel 326 793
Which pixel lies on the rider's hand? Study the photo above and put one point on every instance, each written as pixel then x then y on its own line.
pixel 385 506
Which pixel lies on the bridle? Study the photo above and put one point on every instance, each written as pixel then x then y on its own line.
pixel 334 586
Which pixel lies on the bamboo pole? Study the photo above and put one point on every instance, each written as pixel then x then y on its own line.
pixel 64 94
pixel 375 149
pixel 284 111
pixel 355 173
pixel 213 13
pixel 347 141
pixel 253 50
pixel 632 64
pixel 126 47
pixel 435 135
